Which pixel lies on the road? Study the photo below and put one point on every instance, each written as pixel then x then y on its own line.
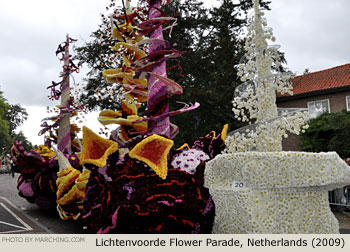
pixel 17 215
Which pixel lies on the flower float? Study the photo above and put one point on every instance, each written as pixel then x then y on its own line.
pixel 149 188
pixel 256 187
pixel 135 181
pixel 146 202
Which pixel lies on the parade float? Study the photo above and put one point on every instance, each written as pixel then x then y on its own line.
pixel 257 187
pixel 136 181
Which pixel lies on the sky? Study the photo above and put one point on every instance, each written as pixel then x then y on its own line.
pixel 313 34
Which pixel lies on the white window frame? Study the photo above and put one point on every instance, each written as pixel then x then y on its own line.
pixel 347 99
pixel 308 106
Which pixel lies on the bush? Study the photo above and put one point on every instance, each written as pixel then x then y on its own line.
pixel 328 132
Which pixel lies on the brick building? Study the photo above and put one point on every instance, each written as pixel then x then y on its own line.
pixel 323 91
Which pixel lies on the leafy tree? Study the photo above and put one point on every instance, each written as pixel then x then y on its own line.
pixel 210 77
pixel 191 37
pixel 328 132
pixel 16 115
pixel 11 116
pixel 98 55
pixel 4 124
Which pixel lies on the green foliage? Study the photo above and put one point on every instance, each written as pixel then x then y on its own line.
pixel 94 55
pixel 16 115
pixel 328 132
pixel 11 116
pixel 5 138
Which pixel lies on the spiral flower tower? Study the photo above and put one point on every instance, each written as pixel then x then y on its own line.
pixel 257 187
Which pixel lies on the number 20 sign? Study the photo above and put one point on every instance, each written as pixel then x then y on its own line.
pixel 238 184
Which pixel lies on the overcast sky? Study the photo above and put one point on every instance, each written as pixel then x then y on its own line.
pixel 313 34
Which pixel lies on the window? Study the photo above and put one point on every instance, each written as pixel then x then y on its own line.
pixel 317 108
pixel 347 98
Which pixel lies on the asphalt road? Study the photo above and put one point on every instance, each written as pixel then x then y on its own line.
pixel 17 215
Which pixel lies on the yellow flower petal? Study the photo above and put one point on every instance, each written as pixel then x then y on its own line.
pixel 127 31
pixel 118 76
pixel 154 152
pixel 65 178
pixel 110 113
pixel 71 186
pixel 140 126
pixel 77 191
pixel 132 53
pixel 96 149
pixel 185 145
pixel 213 133
pixel 45 152
pixel 129 105
pixel 111 75
pixel 224 132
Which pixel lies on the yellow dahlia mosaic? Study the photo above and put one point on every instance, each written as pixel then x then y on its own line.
pixel 96 149
pixel 154 151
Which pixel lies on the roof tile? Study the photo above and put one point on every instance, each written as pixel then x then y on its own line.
pixel 326 79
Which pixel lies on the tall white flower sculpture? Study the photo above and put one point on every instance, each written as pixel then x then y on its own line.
pixel 257 187
pixel 255 99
